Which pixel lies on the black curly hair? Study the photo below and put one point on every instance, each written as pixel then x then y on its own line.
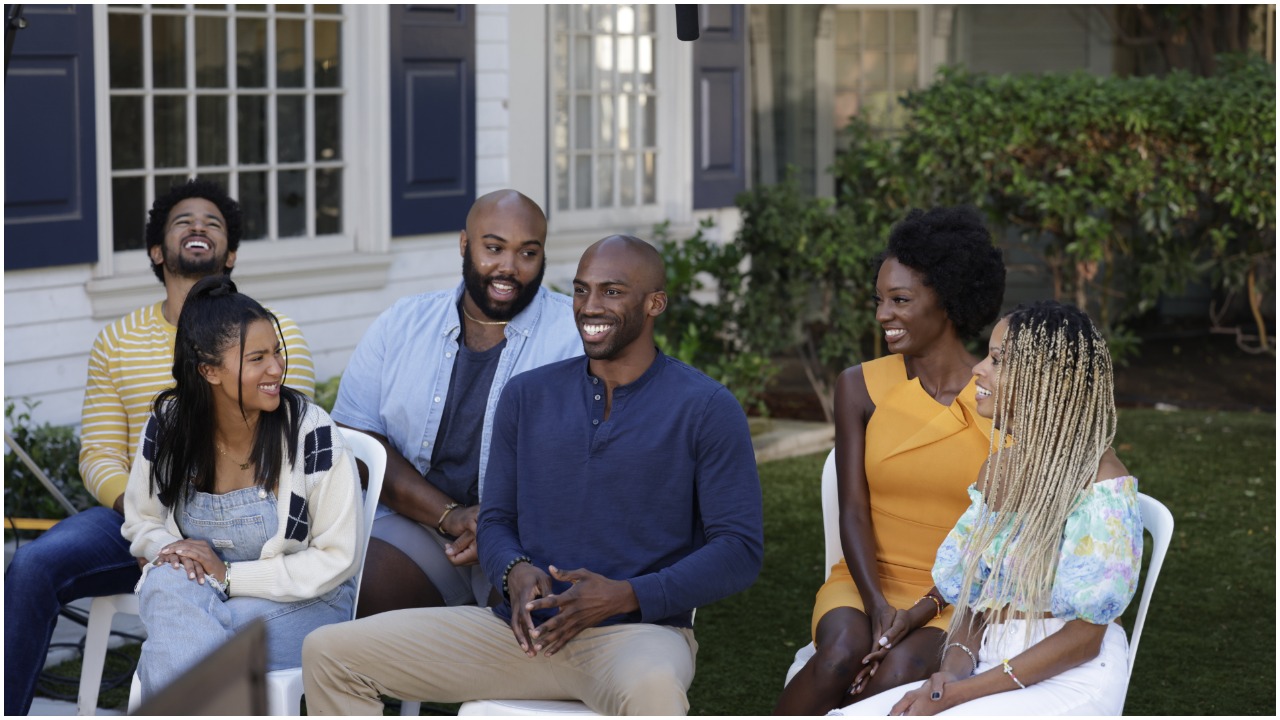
pixel 952 249
pixel 209 190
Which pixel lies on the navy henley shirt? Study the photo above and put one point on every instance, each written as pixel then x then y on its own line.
pixel 663 494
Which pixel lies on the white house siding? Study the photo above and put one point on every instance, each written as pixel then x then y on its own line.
pixel 49 323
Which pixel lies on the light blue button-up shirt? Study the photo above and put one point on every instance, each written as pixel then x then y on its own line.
pixel 397 381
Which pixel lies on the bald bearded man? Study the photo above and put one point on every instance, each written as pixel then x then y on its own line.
pixel 622 494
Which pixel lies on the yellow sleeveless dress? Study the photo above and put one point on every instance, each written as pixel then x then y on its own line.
pixel 920 460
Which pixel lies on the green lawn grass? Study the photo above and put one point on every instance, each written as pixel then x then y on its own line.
pixel 1209 643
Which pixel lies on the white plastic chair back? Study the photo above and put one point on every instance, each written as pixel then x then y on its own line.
pixel 1158 521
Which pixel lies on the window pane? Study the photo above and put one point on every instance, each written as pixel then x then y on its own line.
pixel 251 123
pixel 126 133
pixel 328 201
pixel 649 119
pixel 292 209
pixel 328 127
pixel 290 53
pixel 847 37
pixel 165 183
pixel 291 8
pixel 291 142
pixel 251 52
pixel 604 63
pixel 211 52
pixel 211 130
pixel 328 52
pixel 168 52
pixel 627 64
pixel 650 179
pixel 562 182
pixel 582 63
pixel 877 28
pixel 582 122
pixel 170 131
pixel 220 178
pixel 644 64
pixel 582 182
pixel 582 18
pixel 904 29
pixel 560 124
pixel 125 32
pixel 644 18
pixel 606 122
pixel 627 184
pixel 904 71
pixel 624 122
pixel 626 20
pixel 560 63
pixel 328 9
pixel 128 213
pixel 604 18
pixel 253 204
pixel 875 71
pixel 605 170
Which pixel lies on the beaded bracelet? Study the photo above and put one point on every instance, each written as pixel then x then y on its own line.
pixel 1008 670
pixel 505 573
pixel 936 602
pixel 966 650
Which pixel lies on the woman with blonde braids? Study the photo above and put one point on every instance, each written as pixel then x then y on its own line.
pixel 1047 555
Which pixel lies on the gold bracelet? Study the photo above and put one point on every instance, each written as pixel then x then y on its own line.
pixel 937 603
pixel 447 509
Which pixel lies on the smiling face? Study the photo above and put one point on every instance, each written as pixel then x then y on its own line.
pixel 195 241
pixel 909 311
pixel 987 373
pixel 502 257
pixel 615 299
pixel 252 377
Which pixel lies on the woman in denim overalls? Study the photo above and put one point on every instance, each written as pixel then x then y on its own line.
pixel 243 496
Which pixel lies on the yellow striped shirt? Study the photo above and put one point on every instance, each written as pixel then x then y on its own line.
pixel 131 362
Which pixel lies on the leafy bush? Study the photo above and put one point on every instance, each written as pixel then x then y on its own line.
pixel 327 393
pixel 1127 187
pixel 809 286
pixel 55 450
pixel 699 327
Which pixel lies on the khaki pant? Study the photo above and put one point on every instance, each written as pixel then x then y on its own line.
pixel 467 653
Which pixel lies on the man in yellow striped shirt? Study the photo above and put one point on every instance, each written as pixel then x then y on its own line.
pixel 191 232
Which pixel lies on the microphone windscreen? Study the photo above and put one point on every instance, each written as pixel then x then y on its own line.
pixel 687 22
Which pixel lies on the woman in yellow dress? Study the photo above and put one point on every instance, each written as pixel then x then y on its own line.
pixel 909 442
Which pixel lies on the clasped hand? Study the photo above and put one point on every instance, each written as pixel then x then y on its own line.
pixel 590 599
pixel 196 557
pixel 888 626
pixel 461 524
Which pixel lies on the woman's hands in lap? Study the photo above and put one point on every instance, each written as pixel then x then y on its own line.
pixel 194 556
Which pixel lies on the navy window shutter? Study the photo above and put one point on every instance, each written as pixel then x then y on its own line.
pixel 720 106
pixel 50 187
pixel 433 126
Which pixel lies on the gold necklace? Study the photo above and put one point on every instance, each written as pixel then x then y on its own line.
pixel 243 465
pixel 481 322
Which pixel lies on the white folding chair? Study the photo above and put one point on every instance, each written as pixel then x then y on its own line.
pixel 284 687
pixel 1158 521
pixel 831 531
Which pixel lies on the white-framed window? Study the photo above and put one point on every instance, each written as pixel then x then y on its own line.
pixel 878 54
pixel 250 95
pixel 614 150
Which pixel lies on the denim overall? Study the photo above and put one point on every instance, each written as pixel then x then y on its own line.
pixel 186 620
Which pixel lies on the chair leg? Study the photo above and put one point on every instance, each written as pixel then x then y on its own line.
pixel 98 631
pixel 409 708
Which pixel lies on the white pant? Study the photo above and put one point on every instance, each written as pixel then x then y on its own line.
pixel 1096 687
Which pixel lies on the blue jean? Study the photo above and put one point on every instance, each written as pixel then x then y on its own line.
pixel 186 620
pixel 82 556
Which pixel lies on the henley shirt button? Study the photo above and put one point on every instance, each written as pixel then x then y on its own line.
pixel 595 381
pixel 595 422
pixel 437 398
pixel 426 443
pixel 597 397
pixel 448 354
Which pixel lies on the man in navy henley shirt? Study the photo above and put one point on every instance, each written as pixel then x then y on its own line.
pixel 622 494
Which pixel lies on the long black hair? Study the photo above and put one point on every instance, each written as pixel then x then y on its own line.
pixel 215 317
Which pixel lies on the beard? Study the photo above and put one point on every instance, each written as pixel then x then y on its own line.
pixel 476 286
pixel 181 266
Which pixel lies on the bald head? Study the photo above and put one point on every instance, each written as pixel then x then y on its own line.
pixel 508 203
pixel 644 266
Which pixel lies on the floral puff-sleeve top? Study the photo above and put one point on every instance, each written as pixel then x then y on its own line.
pixel 1098 563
